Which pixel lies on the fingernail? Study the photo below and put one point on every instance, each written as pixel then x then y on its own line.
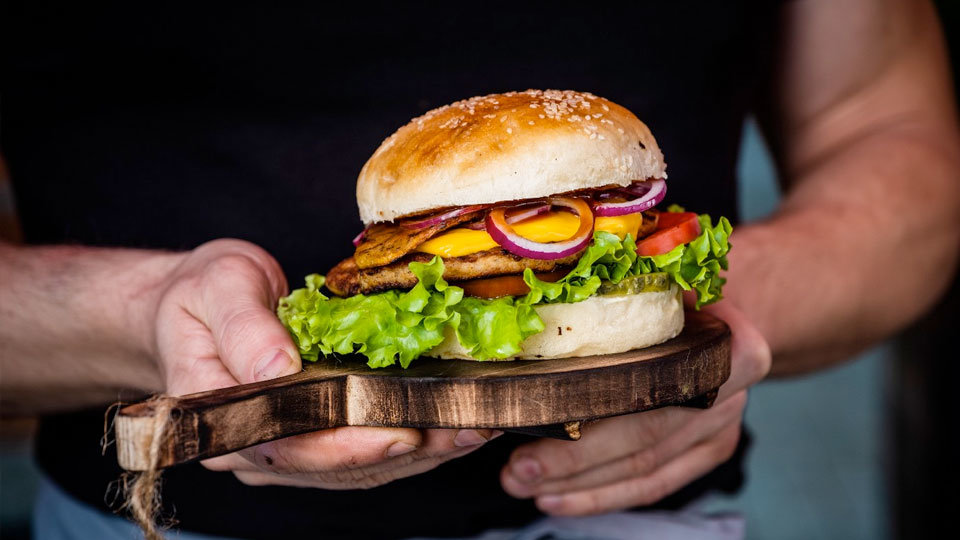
pixel 271 366
pixel 399 449
pixel 550 502
pixel 496 433
pixel 468 437
pixel 527 470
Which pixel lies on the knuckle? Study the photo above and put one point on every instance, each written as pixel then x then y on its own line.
pixel 648 428
pixel 566 459
pixel 231 265
pixel 228 245
pixel 243 254
pixel 240 329
pixel 761 359
pixel 641 463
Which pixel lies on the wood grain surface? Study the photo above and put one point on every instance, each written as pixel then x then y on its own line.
pixel 545 397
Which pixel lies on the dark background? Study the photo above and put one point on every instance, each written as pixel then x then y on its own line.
pixel 915 423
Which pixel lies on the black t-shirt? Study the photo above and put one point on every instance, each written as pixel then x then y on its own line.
pixel 167 127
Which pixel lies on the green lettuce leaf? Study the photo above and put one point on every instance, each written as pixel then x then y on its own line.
pixel 392 325
pixel 693 266
pixel 607 258
pixel 399 326
pixel 697 265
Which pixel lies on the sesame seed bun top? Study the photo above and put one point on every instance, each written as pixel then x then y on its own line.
pixel 503 147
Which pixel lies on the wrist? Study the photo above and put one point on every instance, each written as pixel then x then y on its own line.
pixel 139 284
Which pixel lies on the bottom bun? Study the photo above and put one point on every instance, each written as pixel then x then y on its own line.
pixel 598 325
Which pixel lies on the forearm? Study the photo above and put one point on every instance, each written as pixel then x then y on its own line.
pixel 74 325
pixel 861 121
pixel 862 246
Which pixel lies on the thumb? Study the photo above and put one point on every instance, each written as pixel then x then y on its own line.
pixel 237 306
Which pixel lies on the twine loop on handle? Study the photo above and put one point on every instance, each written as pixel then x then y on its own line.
pixel 141 490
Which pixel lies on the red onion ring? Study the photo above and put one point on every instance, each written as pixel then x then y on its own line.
pixel 527 213
pixel 638 188
pixel 654 194
pixel 503 233
pixel 359 238
pixel 440 218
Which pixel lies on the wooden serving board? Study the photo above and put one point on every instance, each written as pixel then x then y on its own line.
pixel 542 397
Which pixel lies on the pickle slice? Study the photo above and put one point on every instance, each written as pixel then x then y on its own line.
pixel 655 282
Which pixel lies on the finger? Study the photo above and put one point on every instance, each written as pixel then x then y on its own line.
pixel 707 424
pixel 602 442
pixel 364 478
pixel 438 442
pixel 188 354
pixel 428 456
pixel 646 490
pixel 619 437
pixel 336 449
pixel 236 301
pixel 434 443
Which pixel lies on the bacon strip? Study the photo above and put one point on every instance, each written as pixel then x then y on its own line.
pixel 387 242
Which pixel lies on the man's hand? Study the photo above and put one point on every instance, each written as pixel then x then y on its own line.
pixel 214 326
pixel 638 459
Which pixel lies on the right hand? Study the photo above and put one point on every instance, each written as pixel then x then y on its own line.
pixel 214 326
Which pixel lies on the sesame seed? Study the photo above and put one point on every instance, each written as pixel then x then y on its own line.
pixel 509 130
pixel 530 122
pixel 620 130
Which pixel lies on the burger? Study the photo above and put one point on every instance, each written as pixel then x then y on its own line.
pixel 520 225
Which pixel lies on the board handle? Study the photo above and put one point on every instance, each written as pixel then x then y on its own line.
pixel 174 430
pixel 179 430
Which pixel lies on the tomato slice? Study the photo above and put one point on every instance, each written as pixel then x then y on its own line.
pixel 496 287
pixel 669 219
pixel 673 229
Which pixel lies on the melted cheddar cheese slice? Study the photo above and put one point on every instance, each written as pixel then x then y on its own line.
pixel 550 227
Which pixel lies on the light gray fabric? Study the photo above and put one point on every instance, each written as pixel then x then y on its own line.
pixel 58 516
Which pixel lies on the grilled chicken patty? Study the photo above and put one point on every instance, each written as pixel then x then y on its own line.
pixel 380 262
pixel 347 279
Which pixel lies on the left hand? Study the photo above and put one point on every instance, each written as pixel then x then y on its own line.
pixel 637 459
